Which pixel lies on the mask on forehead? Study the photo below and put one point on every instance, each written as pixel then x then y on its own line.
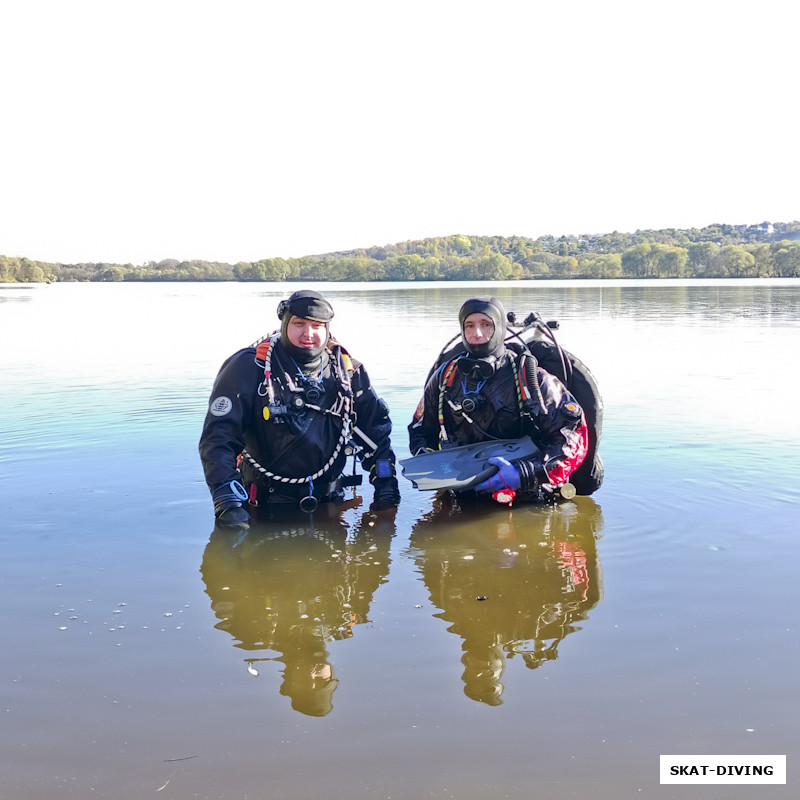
pixel 307 305
pixel 493 309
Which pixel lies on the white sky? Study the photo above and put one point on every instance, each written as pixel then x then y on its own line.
pixel 137 130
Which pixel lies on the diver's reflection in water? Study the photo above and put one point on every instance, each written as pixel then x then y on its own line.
pixel 291 587
pixel 513 584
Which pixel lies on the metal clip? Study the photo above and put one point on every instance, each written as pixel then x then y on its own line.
pixel 309 503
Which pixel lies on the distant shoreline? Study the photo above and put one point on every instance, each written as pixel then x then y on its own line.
pixel 766 250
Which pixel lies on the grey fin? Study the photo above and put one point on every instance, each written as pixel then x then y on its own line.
pixel 461 468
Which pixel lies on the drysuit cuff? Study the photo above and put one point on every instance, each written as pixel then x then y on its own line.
pixel 532 474
pixel 228 495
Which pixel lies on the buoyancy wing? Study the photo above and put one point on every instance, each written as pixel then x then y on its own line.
pixel 578 378
pixel 461 468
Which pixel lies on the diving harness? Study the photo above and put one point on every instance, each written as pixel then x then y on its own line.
pixel 523 365
pixel 342 367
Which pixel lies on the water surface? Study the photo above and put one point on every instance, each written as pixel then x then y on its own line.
pixel 547 652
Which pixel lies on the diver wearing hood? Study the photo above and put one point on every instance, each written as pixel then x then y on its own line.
pixel 491 346
pixel 305 306
pixel 492 393
pixel 284 415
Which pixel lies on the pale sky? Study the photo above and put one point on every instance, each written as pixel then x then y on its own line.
pixel 138 130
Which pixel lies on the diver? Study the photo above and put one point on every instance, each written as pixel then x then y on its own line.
pixel 488 392
pixel 284 416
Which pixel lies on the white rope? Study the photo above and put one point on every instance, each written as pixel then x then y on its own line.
pixel 343 434
pixel 283 479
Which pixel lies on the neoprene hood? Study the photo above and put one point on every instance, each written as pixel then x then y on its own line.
pixel 306 304
pixel 493 309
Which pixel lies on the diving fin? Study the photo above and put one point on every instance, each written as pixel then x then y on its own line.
pixel 461 468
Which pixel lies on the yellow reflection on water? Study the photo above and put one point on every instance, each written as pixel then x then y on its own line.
pixel 511 584
pixel 289 587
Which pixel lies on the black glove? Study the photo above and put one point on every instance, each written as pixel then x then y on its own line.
pixel 387 494
pixel 228 499
pixel 234 517
pixel 382 477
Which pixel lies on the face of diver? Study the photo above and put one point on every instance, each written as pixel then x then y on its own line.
pixel 478 329
pixel 306 334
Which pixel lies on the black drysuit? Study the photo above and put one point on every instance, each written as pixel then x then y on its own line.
pixel 297 436
pixel 552 417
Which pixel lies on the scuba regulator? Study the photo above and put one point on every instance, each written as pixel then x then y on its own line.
pixel 472 401
pixel 310 393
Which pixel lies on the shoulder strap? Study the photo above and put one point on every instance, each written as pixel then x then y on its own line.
pixel 262 348
pixel 262 345
pixel 335 345
pixel 448 374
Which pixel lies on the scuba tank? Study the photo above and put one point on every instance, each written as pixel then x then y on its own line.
pixel 536 337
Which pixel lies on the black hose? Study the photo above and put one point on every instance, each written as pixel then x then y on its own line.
pixel 532 381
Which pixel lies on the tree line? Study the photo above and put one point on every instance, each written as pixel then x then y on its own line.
pixel 767 250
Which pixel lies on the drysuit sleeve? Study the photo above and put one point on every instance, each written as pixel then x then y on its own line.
pixel 230 406
pixel 423 432
pixel 558 426
pixel 372 427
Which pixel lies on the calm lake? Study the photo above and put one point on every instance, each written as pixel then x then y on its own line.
pixel 145 655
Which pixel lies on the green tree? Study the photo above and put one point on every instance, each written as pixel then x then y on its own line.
pixel 787 259
pixel 602 266
pixel 460 245
pixel 564 267
pixel 112 274
pixel 762 256
pixel 29 272
pixel 8 269
pixel 702 256
pixel 245 271
pixel 403 268
pixel 736 262
pixel 670 261
pixel 636 261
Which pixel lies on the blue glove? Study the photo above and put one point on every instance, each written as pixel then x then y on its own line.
pixel 506 477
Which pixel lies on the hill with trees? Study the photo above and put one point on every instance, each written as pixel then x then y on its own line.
pixel 765 250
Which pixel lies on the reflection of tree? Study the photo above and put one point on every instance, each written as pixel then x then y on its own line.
pixel 510 583
pixel 293 587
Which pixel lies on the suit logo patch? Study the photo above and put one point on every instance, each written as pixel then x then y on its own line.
pixel 220 406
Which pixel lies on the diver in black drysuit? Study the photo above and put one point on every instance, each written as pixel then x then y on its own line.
pixel 478 395
pixel 279 424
